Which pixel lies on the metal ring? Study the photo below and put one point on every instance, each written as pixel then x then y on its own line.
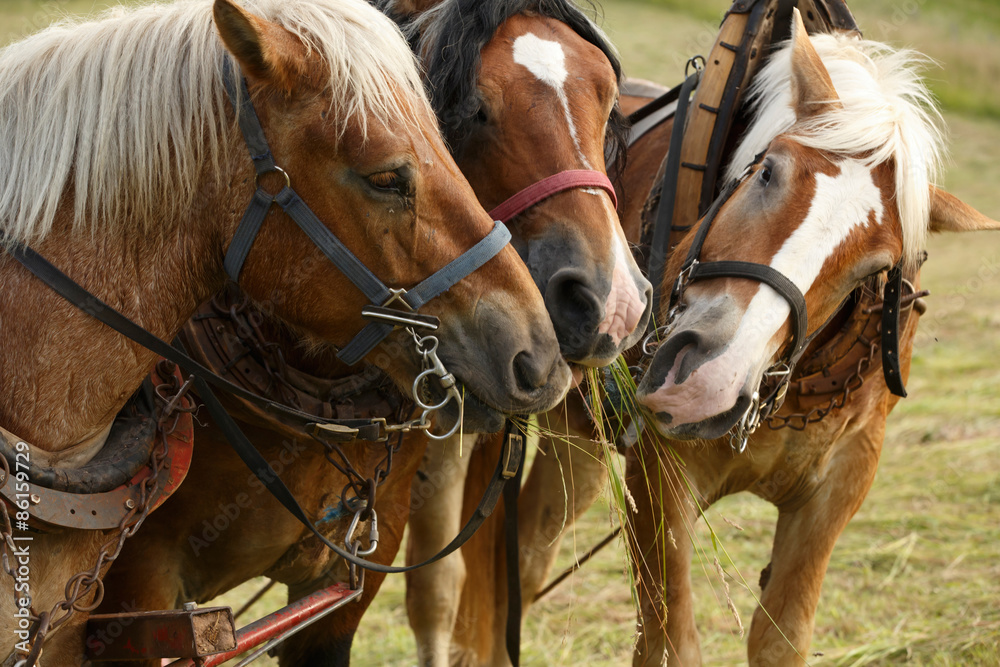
pixel 445 436
pixel 288 180
pixel 416 393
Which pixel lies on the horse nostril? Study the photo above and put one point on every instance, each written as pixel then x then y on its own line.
pixel 530 373
pixel 571 302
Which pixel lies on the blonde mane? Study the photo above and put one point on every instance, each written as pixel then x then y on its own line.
pixel 888 114
pixel 124 113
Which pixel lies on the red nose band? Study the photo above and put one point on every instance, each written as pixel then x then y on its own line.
pixel 552 185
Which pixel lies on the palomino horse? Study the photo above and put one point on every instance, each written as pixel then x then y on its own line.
pixel 818 475
pixel 574 249
pixel 126 169
pixel 842 192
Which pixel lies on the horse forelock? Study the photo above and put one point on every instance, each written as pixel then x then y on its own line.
pixel 450 38
pixel 886 115
pixel 126 111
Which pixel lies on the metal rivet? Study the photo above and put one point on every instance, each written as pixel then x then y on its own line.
pixel 35 499
pixel 129 504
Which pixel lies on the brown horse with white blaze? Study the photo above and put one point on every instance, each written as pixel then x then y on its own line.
pixel 843 190
pixel 817 476
pixel 516 76
pixel 127 171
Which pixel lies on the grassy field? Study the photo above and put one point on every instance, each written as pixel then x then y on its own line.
pixel 916 576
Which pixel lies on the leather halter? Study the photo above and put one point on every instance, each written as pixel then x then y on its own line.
pixel 553 185
pixel 374 289
pixel 693 270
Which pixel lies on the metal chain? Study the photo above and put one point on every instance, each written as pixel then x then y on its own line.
pixel 81 585
pixel 799 421
pixel 854 381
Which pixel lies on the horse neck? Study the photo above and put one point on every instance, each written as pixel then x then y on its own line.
pixel 66 375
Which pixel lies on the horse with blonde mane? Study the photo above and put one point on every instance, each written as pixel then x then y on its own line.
pixel 125 168
pixel 842 192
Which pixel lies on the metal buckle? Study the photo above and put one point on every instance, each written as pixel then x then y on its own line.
pixel 512 455
pixel 397 295
pixel 400 318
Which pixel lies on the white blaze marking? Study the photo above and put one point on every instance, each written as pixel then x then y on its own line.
pixel 841 203
pixel 546 60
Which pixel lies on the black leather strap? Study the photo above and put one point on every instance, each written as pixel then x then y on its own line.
pixel 507 466
pixel 441 281
pixel 772 278
pixel 246 233
pixel 668 193
pixel 511 493
pixel 890 332
pixel 246 117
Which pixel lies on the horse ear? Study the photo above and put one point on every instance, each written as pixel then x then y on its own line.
pixel 812 89
pixel 951 214
pixel 265 51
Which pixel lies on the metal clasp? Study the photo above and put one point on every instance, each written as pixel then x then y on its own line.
pixel 433 367
pixel 372 534
pixel 739 436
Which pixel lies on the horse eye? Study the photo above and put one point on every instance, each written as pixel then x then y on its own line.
pixel 481 116
pixel 389 181
pixel 765 175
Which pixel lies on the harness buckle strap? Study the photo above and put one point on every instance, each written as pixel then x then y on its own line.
pixel 513 452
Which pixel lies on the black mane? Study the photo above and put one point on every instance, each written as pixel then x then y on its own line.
pixel 450 38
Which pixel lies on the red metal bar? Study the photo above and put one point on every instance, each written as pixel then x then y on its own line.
pixel 292 617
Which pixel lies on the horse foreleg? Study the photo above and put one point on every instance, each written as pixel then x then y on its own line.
pixel 433 593
pixel 660 551
pixel 782 627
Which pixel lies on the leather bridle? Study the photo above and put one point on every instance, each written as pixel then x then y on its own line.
pixel 381 296
pixel 384 320
pixel 761 407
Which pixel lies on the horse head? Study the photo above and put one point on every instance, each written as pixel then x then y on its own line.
pixel 354 133
pixel 527 95
pixel 840 194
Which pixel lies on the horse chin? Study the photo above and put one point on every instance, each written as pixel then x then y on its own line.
pixel 707 429
pixel 476 416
